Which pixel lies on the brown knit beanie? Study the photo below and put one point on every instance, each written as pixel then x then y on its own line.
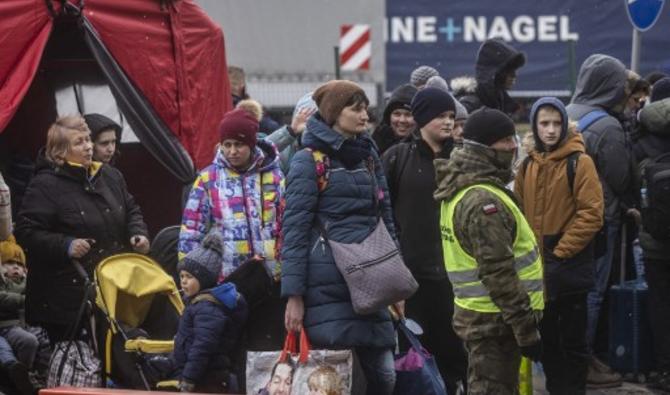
pixel 333 96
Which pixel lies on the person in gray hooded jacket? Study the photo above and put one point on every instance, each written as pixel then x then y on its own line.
pixel 601 87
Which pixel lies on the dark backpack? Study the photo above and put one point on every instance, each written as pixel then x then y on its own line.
pixel 655 196
pixel 587 120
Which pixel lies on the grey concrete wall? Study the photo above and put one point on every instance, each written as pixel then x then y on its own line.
pixel 294 39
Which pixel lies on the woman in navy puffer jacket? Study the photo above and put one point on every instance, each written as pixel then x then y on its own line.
pixel 342 200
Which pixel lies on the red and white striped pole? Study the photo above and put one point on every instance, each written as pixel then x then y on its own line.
pixel 355 47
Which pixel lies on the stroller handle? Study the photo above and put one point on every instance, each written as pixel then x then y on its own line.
pixel 81 271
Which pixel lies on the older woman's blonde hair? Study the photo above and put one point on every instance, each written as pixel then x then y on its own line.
pixel 57 137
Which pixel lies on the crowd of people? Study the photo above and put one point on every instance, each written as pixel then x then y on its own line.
pixel 512 252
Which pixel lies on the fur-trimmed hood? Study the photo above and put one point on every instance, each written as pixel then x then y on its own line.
pixel 529 142
pixel 464 85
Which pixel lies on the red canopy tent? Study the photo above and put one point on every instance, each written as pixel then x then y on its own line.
pixel 164 61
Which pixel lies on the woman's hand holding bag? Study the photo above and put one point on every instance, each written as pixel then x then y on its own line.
pixel 295 312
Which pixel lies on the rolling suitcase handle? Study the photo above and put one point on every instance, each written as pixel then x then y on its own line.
pixel 622 261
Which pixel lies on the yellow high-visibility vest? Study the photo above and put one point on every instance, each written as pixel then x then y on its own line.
pixel 469 292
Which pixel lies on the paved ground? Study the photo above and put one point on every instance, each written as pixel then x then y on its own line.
pixel 626 389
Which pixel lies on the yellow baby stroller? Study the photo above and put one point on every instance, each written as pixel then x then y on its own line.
pixel 138 309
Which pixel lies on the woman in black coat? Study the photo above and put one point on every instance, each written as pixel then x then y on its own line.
pixel 73 209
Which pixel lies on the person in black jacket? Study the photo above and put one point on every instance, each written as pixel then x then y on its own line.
pixel 397 121
pixel 411 177
pixel 74 209
pixel 651 141
pixel 106 137
pixel 210 326
pixel 495 72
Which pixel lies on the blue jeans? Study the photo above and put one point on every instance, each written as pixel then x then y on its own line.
pixel 24 344
pixel 6 354
pixel 594 299
pixel 379 369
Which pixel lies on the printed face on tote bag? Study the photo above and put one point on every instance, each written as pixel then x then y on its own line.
pixel 324 380
pixel 281 379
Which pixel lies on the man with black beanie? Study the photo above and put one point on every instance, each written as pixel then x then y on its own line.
pixel 490 255
pixel 411 178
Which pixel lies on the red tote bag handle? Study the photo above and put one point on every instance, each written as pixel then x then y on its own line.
pixel 290 347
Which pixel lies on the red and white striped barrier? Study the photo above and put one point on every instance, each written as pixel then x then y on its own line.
pixel 355 47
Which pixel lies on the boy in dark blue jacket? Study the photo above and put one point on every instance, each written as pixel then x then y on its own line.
pixel 211 323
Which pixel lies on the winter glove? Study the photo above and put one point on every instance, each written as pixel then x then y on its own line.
pixel 532 351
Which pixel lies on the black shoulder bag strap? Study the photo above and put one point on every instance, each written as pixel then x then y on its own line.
pixel 524 165
pixel 371 165
pixel 571 169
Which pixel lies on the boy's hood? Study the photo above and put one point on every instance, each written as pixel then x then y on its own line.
pixel 558 106
pixel 227 294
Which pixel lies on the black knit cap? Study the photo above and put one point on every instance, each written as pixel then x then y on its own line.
pixel 204 261
pixel 429 103
pixel 488 125
pixel 98 123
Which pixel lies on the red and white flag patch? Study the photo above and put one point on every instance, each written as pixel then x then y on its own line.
pixel 490 209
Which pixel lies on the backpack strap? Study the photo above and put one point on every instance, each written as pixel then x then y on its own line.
pixel 584 123
pixel 589 119
pixel 571 169
pixel 322 165
pixel 524 165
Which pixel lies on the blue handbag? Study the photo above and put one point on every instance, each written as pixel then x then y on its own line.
pixel 416 370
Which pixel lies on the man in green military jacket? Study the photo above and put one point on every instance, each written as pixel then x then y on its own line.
pixel 490 254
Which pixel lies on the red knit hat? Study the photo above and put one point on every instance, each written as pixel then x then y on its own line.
pixel 239 125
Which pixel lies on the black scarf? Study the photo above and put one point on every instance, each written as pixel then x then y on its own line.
pixel 352 151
